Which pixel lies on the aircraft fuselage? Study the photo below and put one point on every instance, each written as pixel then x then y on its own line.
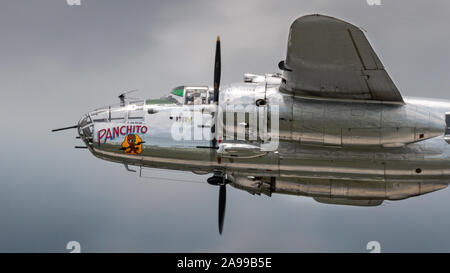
pixel 326 148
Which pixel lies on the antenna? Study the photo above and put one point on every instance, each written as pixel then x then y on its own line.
pixel 123 96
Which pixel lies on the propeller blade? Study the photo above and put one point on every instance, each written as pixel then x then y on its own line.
pixel 222 204
pixel 217 71
pixel 65 128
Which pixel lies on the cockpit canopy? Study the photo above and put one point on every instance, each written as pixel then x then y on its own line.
pixel 186 95
pixel 133 110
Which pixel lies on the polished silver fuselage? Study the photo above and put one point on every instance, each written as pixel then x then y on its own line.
pixel 337 151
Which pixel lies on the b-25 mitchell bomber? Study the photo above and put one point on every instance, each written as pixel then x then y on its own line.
pixel 332 126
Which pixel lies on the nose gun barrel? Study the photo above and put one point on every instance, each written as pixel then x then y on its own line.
pixel 65 128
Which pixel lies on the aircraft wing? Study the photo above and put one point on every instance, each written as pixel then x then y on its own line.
pixel 327 57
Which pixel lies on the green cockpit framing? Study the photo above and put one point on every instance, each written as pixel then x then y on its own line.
pixel 186 95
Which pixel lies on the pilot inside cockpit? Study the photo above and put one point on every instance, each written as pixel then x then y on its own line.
pixel 189 98
pixel 196 97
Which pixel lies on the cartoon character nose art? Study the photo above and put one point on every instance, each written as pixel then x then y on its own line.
pixel 132 144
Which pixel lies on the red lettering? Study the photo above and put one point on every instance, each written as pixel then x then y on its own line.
pixel 129 129
pixel 116 132
pixel 121 130
pixel 138 127
pixel 108 135
pixel 144 129
pixel 101 133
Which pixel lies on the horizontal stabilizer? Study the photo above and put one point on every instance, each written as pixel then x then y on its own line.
pixel 329 58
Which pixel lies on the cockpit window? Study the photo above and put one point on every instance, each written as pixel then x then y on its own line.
pixel 159 101
pixel 196 96
pixel 187 95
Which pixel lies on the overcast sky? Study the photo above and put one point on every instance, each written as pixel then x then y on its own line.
pixel 58 62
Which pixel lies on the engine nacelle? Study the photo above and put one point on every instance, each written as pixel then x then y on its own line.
pixel 356 190
pixel 254 185
pixel 339 192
